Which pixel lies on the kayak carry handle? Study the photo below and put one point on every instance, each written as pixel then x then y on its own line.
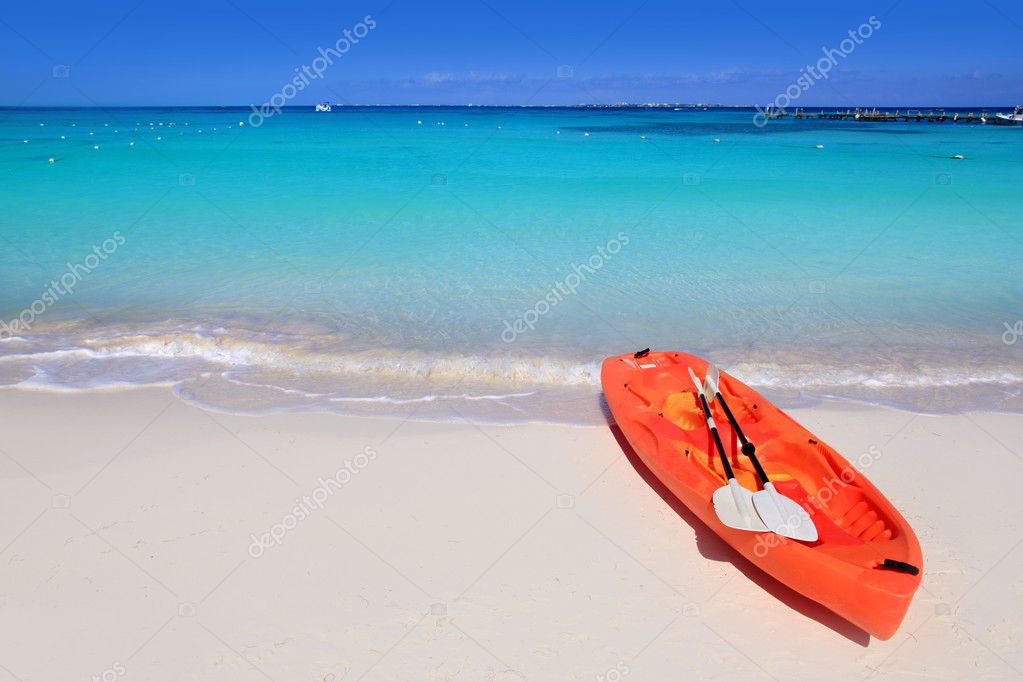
pixel 900 566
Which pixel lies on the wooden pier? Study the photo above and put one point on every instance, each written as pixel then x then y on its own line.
pixel 875 116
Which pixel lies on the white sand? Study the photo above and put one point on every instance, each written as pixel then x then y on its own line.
pixel 458 552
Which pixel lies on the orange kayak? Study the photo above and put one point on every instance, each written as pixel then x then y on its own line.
pixel 865 564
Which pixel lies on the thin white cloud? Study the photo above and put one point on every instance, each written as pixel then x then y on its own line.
pixel 435 77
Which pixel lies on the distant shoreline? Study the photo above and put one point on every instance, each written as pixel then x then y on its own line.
pixel 615 107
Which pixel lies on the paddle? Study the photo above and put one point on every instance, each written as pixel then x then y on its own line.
pixel 732 503
pixel 782 515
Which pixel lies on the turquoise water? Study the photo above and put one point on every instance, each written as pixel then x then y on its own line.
pixel 481 262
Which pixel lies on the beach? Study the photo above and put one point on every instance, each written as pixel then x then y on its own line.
pixel 147 537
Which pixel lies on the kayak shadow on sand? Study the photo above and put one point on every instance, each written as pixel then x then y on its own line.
pixel 712 547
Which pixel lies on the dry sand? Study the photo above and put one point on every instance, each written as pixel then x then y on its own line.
pixel 457 551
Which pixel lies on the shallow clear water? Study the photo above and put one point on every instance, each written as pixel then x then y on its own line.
pixel 483 262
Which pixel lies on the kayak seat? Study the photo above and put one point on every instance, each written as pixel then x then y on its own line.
pixel 684 410
pixel 840 496
pixel 833 487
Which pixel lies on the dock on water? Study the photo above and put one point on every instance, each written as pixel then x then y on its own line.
pixel 876 116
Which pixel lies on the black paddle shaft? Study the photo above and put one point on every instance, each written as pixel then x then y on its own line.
pixel 748 448
pixel 717 438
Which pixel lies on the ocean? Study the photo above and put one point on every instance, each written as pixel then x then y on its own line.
pixel 479 263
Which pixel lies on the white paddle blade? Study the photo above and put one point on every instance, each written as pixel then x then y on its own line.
pixel 696 382
pixel 734 507
pixel 784 516
pixel 710 382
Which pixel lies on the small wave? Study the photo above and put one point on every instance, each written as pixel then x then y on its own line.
pixel 820 377
pixel 378 398
pixel 299 368
pixel 224 351
pixel 430 398
pixel 64 354
pixel 42 382
pixel 290 391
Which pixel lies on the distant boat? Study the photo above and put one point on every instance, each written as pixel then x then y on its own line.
pixel 1013 119
pixel 323 106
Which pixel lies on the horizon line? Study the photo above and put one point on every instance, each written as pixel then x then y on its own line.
pixel 608 105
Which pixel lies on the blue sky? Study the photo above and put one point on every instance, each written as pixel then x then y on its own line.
pixel 224 52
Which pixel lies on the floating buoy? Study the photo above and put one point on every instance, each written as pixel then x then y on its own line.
pixel 63 137
pixel 42 125
pixel 158 138
pixel 419 123
pixel 95 146
pixel 131 144
pixel 106 125
pixel 557 132
pixel 91 133
pixel 241 124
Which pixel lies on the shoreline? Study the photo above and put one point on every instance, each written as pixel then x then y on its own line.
pixel 817 403
pixel 238 368
pixel 454 550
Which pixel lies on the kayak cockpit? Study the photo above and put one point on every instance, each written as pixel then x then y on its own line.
pixel 812 472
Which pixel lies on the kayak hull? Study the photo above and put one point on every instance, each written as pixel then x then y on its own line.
pixel 866 564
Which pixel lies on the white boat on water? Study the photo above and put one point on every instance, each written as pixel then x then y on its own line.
pixel 1013 119
pixel 323 106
